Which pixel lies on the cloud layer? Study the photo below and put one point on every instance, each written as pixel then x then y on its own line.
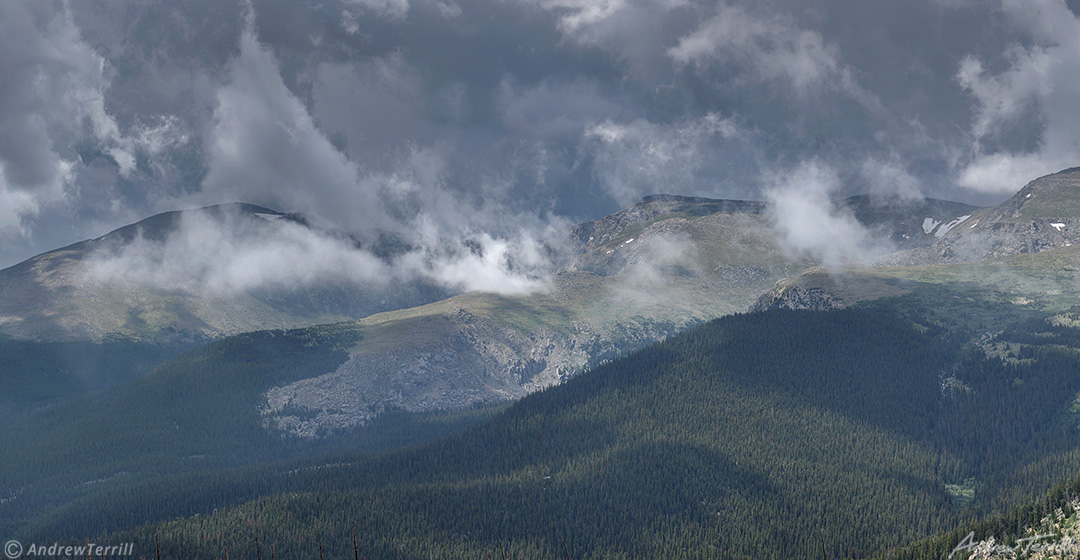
pixel 227 252
pixel 499 122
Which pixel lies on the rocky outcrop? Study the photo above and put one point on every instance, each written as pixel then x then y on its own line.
pixel 589 236
pixel 638 276
pixel 469 360
pixel 798 297
pixel 1043 215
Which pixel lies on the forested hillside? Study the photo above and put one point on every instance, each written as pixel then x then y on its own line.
pixel 1043 529
pixel 768 435
pixel 150 449
pixel 36 374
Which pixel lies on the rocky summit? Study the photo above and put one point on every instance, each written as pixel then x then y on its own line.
pixel 1043 215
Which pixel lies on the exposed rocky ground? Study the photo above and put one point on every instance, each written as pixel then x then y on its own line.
pixel 1043 215
pixel 798 297
pixel 475 360
pixel 639 275
pixel 1042 219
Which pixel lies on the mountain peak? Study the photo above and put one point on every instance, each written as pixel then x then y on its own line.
pixel 1054 196
pixel 1043 215
pixel 158 226
pixel 168 277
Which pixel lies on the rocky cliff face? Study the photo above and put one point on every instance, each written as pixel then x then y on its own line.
pixel 813 298
pixel 472 360
pixel 1042 218
pixel 634 277
pixel 1043 215
pixel 637 277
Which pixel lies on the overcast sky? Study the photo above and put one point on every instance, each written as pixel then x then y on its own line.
pixel 495 115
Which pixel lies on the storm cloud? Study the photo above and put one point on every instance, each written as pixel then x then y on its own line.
pixel 501 122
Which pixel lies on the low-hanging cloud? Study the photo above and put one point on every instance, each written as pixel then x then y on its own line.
pixel 228 253
pixel 888 177
pixel 809 224
pixel 646 280
pixel 264 141
pixel 481 262
pixel 266 146
pixel 480 115
pixel 225 252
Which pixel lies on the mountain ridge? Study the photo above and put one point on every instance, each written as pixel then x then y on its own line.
pixel 991 335
pixel 633 277
pixel 1044 214
pixel 53 296
pixel 40 297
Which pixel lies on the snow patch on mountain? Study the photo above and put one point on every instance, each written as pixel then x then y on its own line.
pixel 945 228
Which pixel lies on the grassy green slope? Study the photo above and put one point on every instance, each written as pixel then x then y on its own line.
pixel 759 436
pixel 624 293
pixel 1041 283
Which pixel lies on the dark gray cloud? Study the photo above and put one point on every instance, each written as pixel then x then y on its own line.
pixel 500 118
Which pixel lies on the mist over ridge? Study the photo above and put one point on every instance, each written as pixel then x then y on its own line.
pixel 504 124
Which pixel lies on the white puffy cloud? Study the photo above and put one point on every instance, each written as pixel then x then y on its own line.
pixel 577 14
pixel 393 9
pixel 17 205
pixel 265 144
pixel 478 261
pixel 807 222
pixel 52 92
pixel 225 252
pixel 889 177
pixel 1039 89
pixel 477 116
